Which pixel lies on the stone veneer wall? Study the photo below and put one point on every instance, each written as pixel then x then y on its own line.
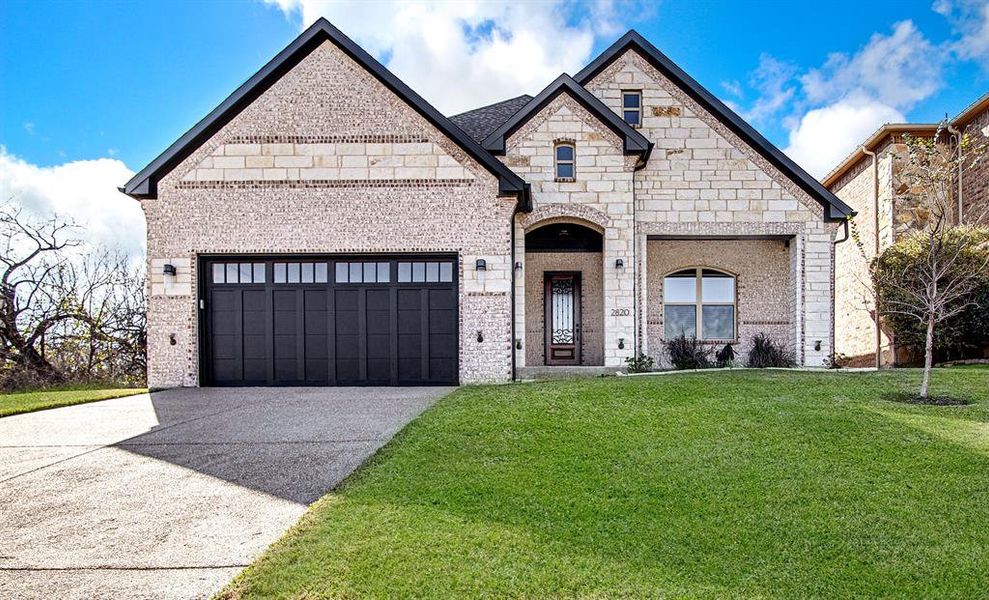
pixel 601 196
pixel 702 180
pixel 762 284
pixel 591 303
pixel 328 94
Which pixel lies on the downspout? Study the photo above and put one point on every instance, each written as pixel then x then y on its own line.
pixel 875 226
pixel 958 138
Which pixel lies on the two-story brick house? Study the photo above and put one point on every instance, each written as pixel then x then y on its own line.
pixel 870 181
pixel 325 225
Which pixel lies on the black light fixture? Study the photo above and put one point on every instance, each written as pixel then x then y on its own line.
pixel 518 266
pixel 621 343
pixel 169 269
pixel 480 336
pixel 817 345
pixel 518 343
pixel 619 264
pixel 481 265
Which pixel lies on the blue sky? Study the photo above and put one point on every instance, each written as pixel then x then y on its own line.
pixel 111 84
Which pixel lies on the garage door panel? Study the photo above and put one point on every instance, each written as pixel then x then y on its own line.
pixel 442 346
pixel 352 324
pixel 442 299
pixel 409 299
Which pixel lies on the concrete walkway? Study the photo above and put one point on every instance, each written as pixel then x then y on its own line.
pixel 169 495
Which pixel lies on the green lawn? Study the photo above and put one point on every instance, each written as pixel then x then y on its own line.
pixel 22 402
pixel 712 485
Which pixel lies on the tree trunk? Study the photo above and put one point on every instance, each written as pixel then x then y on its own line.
pixel 928 357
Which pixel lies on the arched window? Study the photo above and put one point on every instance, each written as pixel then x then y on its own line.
pixel 564 153
pixel 699 303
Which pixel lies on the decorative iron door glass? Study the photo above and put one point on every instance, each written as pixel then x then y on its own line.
pixel 562 297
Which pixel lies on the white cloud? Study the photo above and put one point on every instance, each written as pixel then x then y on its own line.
pixel 970 19
pixel 773 79
pixel 899 69
pixel 84 192
pixel 825 136
pixel 465 54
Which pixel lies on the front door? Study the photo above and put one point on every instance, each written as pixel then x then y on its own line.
pixel 562 299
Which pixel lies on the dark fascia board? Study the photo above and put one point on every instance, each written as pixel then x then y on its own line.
pixel 633 142
pixel 144 183
pixel 835 209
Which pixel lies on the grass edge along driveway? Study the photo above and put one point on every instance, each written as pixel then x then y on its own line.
pixel 16 403
pixel 707 485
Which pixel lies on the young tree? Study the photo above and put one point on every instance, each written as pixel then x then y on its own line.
pixel 953 258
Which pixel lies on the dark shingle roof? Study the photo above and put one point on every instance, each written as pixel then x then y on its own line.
pixel 480 122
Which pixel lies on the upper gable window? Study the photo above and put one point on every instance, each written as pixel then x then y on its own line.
pixel 632 107
pixel 565 162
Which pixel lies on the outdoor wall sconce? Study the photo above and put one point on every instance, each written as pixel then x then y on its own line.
pixel 169 269
pixel 171 340
pixel 518 266
pixel 481 265
pixel 518 343
pixel 621 343
pixel 480 337
pixel 817 345
pixel 619 264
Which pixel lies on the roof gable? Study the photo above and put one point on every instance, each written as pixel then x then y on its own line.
pixel 834 208
pixel 144 183
pixel 633 142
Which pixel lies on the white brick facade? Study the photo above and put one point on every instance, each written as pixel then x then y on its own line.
pixel 329 160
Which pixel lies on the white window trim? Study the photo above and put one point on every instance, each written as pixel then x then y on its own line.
pixel 699 304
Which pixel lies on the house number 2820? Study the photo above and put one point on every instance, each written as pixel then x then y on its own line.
pixel 620 312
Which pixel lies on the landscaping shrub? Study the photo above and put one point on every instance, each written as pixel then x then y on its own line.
pixel 642 363
pixel 767 353
pixel 687 353
pixel 725 357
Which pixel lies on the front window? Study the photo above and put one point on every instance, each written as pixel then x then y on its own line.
pixel 565 162
pixel 699 303
pixel 632 108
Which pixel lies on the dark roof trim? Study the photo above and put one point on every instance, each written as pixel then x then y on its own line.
pixel 144 184
pixel 835 209
pixel 633 142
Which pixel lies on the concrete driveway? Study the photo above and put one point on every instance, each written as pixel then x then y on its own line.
pixel 169 495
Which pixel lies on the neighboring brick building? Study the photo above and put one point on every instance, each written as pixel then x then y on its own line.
pixel 325 225
pixel 870 182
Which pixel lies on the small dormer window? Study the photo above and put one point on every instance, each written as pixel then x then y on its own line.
pixel 632 107
pixel 565 162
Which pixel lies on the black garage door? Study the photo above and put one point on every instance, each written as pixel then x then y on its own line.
pixel 330 321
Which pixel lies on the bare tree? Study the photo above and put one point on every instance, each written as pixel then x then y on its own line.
pixel 32 302
pixel 954 258
pixel 67 311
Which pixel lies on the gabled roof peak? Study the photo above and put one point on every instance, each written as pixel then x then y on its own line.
pixel 633 142
pixel 144 183
pixel 834 208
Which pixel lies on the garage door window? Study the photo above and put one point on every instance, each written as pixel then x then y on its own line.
pixel 301 272
pixel 238 272
pixel 363 272
pixel 425 272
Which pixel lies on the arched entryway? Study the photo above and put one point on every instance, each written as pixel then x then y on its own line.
pixel 564 294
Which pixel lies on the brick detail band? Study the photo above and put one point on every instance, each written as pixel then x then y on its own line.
pixel 363 138
pixel 325 183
